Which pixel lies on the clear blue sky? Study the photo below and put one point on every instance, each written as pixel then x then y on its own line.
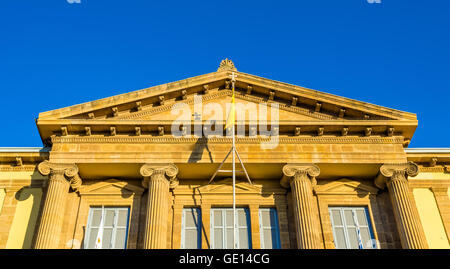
pixel 55 54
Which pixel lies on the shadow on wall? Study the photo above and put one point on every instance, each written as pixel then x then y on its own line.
pixel 197 153
pixel 25 218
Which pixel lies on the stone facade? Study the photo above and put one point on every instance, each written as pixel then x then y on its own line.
pixel 121 151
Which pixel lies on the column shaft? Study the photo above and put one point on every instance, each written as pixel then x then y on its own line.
pixel 53 212
pixel 305 217
pixel 407 217
pixel 157 212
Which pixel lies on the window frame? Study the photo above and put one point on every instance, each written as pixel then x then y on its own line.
pixel 276 227
pixel 198 228
pixel 115 227
pixel 224 226
pixel 357 226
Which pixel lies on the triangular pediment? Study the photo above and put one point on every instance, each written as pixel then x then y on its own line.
pixel 345 186
pixel 297 106
pixel 225 186
pixel 111 187
pixel 248 87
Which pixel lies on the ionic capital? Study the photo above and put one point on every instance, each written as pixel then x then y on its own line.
pixel 395 171
pixel 167 172
pixel 296 171
pixel 58 171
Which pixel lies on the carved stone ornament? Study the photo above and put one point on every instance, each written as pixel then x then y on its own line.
pixel 395 171
pixel 253 131
pixel 64 131
pixel 290 171
pixel 138 106
pixel 205 89
pixel 227 84
pixel 138 131
pixel 320 131
pixel 390 131
pixel 161 130
pixel 69 171
pixel 433 162
pixel 249 89
pixel 169 171
pixel 184 94
pixel 88 131
pixel 115 111
pixel 318 106
pixel 226 65
pixel 161 100
pixel 341 113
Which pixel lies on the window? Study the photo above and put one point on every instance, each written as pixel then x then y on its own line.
pixel 222 228
pixel 115 227
pixel 191 237
pixel 352 228
pixel 268 228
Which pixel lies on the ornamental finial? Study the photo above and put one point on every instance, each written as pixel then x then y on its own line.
pixel 226 65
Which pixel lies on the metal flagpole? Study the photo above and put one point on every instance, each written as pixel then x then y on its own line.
pixel 234 192
pixel 234 153
pixel 234 168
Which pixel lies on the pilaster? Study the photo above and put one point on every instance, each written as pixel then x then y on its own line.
pixel 176 230
pixel 443 203
pixel 254 222
pixel 283 223
pixel 206 221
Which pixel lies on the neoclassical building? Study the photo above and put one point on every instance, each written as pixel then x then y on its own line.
pixel 325 172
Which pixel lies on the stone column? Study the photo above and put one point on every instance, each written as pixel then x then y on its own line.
pixel 159 179
pixel 406 215
pixel 302 178
pixel 61 178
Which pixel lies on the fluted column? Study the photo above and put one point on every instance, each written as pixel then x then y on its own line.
pixel 301 179
pixel 61 178
pixel 159 179
pixel 406 215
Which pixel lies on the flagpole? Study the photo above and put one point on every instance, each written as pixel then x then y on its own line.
pixel 234 173
pixel 231 120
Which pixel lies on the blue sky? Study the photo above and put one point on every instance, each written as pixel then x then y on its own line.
pixel 55 54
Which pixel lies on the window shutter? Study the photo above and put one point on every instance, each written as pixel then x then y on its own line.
pixel 115 227
pixel 351 227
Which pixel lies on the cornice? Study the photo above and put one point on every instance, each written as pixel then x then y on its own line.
pixel 5 168
pixel 239 140
pixel 434 169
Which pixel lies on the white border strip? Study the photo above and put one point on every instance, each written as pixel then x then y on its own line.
pixel 428 150
pixel 23 149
